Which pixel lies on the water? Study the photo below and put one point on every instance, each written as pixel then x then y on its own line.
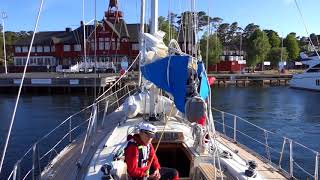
pixel 36 116
pixel 288 112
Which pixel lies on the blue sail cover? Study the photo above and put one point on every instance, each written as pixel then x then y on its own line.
pixel 204 86
pixel 159 73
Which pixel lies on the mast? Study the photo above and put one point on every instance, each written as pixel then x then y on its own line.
pixel 143 8
pixel 154 17
pixel 84 38
pixel 154 91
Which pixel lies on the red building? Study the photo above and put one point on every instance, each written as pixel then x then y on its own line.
pixel 114 40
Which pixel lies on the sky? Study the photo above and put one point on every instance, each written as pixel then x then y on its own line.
pixel 279 15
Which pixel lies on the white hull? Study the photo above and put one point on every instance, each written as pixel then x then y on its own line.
pixel 308 81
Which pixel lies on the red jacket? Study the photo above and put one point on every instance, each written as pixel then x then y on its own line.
pixel 132 155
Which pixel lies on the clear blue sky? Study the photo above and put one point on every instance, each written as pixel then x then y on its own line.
pixel 279 15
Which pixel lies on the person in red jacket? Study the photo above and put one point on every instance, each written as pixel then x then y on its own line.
pixel 139 153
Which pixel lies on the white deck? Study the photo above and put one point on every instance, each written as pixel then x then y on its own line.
pixel 236 166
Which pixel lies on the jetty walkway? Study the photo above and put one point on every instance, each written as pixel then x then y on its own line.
pixel 251 79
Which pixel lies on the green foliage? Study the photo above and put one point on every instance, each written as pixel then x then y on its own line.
pixel 292 46
pixel 250 29
pixel 11 38
pixel 214 50
pixel 223 32
pixel 164 26
pixel 258 48
pixel 274 55
pixel 274 40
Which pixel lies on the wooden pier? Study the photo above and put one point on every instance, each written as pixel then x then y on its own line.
pixel 59 82
pixel 244 80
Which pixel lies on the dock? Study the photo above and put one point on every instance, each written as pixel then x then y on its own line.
pixel 62 82
pixel 244 80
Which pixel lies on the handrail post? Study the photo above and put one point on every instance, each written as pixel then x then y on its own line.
pixel 128 90
pixel 117 99
pixel 70 128
pixel 16 172
pixel 223 125
pixel 316 167
pixel 235 128
pixel 34 159
pixel 291 158
pixel 105 112
pixel 282 150
pixel 267 146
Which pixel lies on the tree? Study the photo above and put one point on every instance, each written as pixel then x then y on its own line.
pixel 314 38
pixel 222 31
pixel 216 21
pixel 275 54
pixel 164 26
pixel 214 50
pixel 249 29
pixel 274 40
pixel 258 48
pixel 186 19
pixel 292 46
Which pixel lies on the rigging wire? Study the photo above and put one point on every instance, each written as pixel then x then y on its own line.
pixel 306 28
pixel 20 87
pixel 84 37
pixel 208 37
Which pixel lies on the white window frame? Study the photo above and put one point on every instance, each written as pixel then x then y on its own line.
pixel 66 48
pixel 18 49
pixel 39 48
pixel 46 48
pixel 77 47
pixel 135 47
pixel 25 49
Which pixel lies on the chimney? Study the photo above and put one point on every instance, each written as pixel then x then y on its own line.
pixel 81 23
pixel 68 29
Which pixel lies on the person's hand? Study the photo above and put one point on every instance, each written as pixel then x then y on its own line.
pixel 155 176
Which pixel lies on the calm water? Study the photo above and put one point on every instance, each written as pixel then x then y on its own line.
pixel 36 116
pixel 291 113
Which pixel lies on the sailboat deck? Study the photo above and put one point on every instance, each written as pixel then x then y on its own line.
pixel 65 165
pixel 265 169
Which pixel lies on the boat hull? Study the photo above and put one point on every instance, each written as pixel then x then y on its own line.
pixel 306 81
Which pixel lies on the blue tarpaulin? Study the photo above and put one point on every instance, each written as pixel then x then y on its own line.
pixel 159 73
pixel 204 86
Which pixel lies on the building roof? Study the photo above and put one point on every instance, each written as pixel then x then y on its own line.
pixel 43 38
pixel 121 29
pixel 75 36
pixel 134 31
